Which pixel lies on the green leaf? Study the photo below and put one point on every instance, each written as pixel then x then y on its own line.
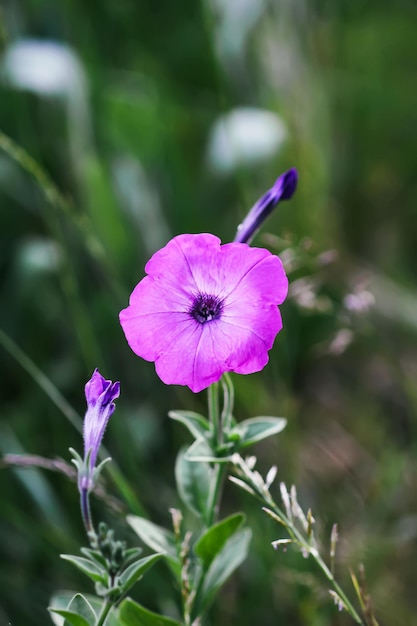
pixel 130 555
pixel 196 424
pixel 157 538
pixel 200 451
pixel 71 618
pixel 193 482
pixel 62 599
pixel 79 612
pixel 255 429
pixel 94 555
pixel 136 570
pixel 94 571
pixel 224 564
pixel 79 604
pixel 215 538
pixel 133 614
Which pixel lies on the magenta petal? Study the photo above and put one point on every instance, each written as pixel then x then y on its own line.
pixel 262 275
pixel 180 261
pixel 198 372
pixel 205 309
pixel 252 343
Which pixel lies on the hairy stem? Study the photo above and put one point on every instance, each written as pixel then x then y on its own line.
pixel 86 515
pixel 215 492
pixel 214 413
pixel 304 540
pixel 105 610
pixel 228 399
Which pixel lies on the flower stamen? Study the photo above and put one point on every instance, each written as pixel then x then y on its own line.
pixel 206 308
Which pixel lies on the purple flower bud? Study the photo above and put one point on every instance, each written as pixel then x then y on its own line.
pixel 100 394
pixel 283 189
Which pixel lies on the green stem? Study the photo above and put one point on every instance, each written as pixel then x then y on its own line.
pixel 86 512
pixel 105 610
pixel 346 602
pixel 228 400
pixel 218 473
pixel 215 491
pixel 298 538
pixel 307 544
pixel 219 422
pixel 214 413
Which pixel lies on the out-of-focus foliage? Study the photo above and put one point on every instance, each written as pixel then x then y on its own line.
pixel 155 118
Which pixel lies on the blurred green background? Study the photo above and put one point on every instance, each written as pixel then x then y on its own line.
pixel 156 118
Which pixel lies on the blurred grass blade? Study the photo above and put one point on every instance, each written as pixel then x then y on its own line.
pixel 52 195
pixel 69 283
pixel 73 417
pixel 42 380
pixel 33 481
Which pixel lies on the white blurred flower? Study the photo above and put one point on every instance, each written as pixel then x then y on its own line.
pixel 243 137
pixel 235 20
pixel 341 341
pixel 271 475
pixel 251 462
pixel 53 70
pixel 44 67
pixel 359 302
pixel 281 542
pixel 38 255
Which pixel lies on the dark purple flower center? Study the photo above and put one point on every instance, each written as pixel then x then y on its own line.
pixel 206 308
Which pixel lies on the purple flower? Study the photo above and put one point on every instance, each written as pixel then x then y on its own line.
pixel 100 394
pixel 205 309
pixel 283 189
